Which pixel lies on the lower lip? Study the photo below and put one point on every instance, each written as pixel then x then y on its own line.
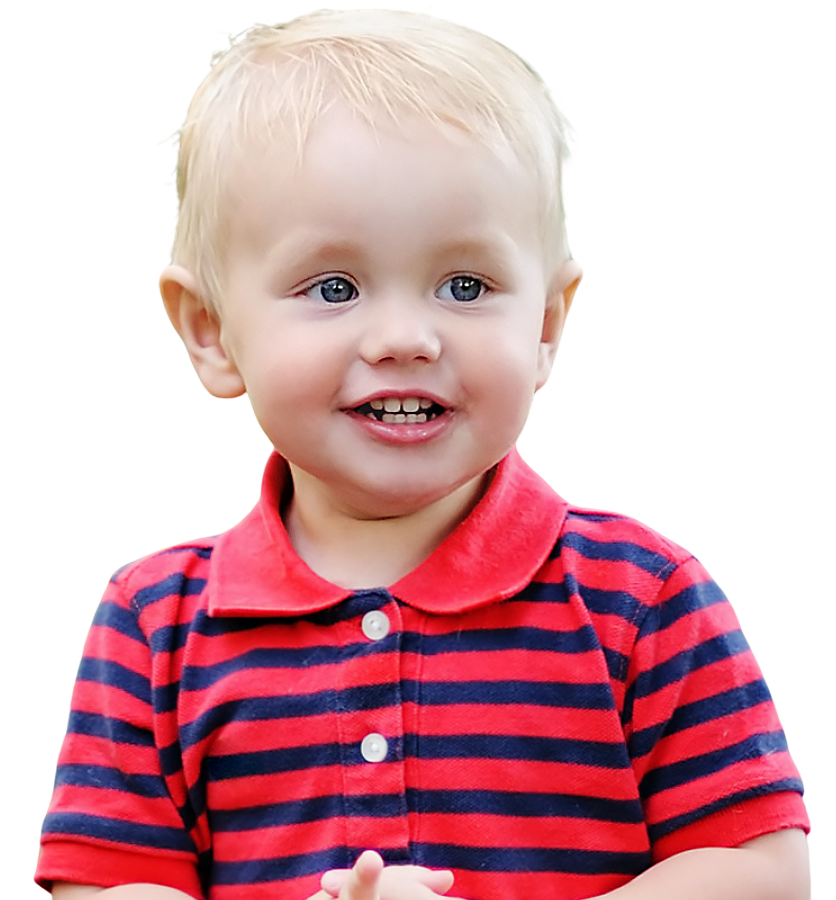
pixel 405 433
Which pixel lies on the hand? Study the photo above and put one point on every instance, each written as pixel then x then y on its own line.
pixel 369 879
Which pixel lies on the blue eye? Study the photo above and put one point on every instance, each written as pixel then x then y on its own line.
pixel 333 290
pixel 462 288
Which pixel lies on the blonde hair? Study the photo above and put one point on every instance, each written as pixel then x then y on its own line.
pixel 382 64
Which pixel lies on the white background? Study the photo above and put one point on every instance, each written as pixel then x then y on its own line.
pixel 694 389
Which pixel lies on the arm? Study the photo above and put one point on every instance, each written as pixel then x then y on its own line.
pixel 772 867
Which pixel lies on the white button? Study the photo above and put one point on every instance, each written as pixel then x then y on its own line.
pixel 374 747
pixel 375 625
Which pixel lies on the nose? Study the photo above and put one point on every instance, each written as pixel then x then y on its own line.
pixel 400 331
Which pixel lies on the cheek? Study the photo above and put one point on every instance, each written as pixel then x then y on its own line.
pixel 292 377
pixel 506 370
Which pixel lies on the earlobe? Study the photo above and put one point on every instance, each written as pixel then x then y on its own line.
pixel 559 299
pixel 200 330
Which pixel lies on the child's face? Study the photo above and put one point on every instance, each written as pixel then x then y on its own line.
pixel 387 307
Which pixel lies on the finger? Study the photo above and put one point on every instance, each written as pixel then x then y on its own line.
pixel 333 880
pixel 363 882
pixel 439 881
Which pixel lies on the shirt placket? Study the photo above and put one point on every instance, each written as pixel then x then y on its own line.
pixel 370 716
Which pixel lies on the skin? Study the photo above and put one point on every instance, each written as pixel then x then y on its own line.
pixel 386 215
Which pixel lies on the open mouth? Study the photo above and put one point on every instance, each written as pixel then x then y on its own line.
pixel 401 410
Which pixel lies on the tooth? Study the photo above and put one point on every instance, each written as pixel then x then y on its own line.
pixel 425 404
pixel 392 405
pixel 376 404
pixel 411 405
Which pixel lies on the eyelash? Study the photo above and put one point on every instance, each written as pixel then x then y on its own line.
pixel 339 282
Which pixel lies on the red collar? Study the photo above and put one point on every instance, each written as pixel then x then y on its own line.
pixel 493 554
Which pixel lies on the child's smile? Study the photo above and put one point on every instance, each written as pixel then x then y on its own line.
pixel 384 305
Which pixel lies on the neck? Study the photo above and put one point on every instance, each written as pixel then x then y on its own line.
pixel 356 550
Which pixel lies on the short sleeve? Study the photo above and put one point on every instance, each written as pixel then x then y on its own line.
pixel 112 819
pixel 708 750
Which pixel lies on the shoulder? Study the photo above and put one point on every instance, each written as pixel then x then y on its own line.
pixel 603 536
pixel 178 572
pixel 618 564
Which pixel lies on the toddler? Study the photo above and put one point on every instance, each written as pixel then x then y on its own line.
pixel 412 646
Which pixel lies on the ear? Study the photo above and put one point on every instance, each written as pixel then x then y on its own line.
pixel 200 330
pixel 559 298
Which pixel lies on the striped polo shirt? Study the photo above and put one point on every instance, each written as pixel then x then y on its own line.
pixel 551 702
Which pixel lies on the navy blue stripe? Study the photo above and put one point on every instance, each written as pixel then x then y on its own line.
pixel 531 859
pixel 618 664
pixel 171 760
pixel 115 730
pixel 459 802
pixel 176 585
pixel 258 871
pixel 224 625
pixel 117 618
pixel 317 809
pixel 170 638
pixel 202 551
pixel 526 805
pixel 269 762
pixel 696 767
pixel 619 551
pixel 724 646
pixel 668 826
pixel 476 746
pixel 541 592
pixel 118 831
pixel 554 694
pixel 166 697
pixel 107 778
pixel 609 603
pixel 596 516
pixel 479 640
pixel 707 710
pixel 692 599
pixel 115 675
pixel 540 749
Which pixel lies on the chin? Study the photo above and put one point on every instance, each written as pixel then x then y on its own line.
pixel 376 501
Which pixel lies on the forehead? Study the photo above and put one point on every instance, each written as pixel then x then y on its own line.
pixel 350 170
